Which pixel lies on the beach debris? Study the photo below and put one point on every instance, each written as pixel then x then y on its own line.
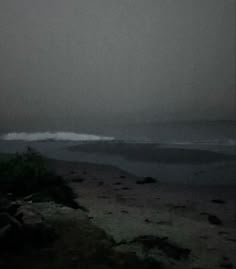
pixel 125 188
pixel 176 207
pixel 225 258
pixel 103 197
pixel 204 214
pixel 146 180
pixel 78 180
pixel 199 172
pixel 218 201
pixel 230 239
pixel 164 222
pixel 204 237
pixel 108 213
pixel 148 220
pixel 124 211
pixel 214 220
pixel 222 233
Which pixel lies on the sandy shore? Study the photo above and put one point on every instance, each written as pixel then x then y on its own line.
pixel 175 165
pixel 201 220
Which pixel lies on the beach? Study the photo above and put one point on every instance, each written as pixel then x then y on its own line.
pixel 117 134
pixel 199 219
pixel 174 204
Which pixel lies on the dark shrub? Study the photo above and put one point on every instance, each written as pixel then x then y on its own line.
pixel 27 174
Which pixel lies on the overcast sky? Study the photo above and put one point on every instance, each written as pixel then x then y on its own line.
pixel 90 59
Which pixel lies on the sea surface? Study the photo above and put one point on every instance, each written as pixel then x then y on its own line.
pixel 172 152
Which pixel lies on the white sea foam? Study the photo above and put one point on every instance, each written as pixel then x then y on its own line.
pixel 58 136
pixel 213 142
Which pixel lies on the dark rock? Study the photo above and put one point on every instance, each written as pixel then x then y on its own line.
pixel 124 211
pixel 222 233
pixel 35 230
pixel 226 265
pixel 174 207
pixel 146 180
pixel 214 220
pixel 204 237
pixel 164 222
pixel 218 201
pixel 170 249
pixel 204 214
pixel 9 227
pixel 6 219
pixel 29 217
pixel 4 231
pixel 77 180
pixel 230 239
pixel 109 213
pixel 103 197
pixel 225 258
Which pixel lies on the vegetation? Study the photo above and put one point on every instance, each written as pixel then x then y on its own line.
pixel 31 236
pixel 27 176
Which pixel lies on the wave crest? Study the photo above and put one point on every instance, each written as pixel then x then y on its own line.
pixel 58 136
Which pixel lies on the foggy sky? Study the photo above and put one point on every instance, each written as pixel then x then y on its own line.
pixel 137 59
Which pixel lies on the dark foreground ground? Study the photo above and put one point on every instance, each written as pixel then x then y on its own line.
pixel 42 226
pixel 113 219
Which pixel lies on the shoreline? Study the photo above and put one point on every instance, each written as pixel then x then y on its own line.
pixel 205 175
pixel 176 165
pixel 154 153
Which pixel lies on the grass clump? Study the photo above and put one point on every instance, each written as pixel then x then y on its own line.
pixel 27 174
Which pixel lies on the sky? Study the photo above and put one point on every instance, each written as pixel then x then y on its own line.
pixel 87 60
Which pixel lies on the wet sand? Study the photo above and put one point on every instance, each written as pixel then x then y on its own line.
pixel 154 152
pixel 169 164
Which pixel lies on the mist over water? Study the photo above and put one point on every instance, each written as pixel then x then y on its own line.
pixel 154 72
pixel 87 63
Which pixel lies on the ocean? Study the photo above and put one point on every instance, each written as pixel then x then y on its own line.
pixel 180 153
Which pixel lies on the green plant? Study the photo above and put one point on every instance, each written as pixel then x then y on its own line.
pixel 28 173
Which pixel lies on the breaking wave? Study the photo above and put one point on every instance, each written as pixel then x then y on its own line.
pixel 57 136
